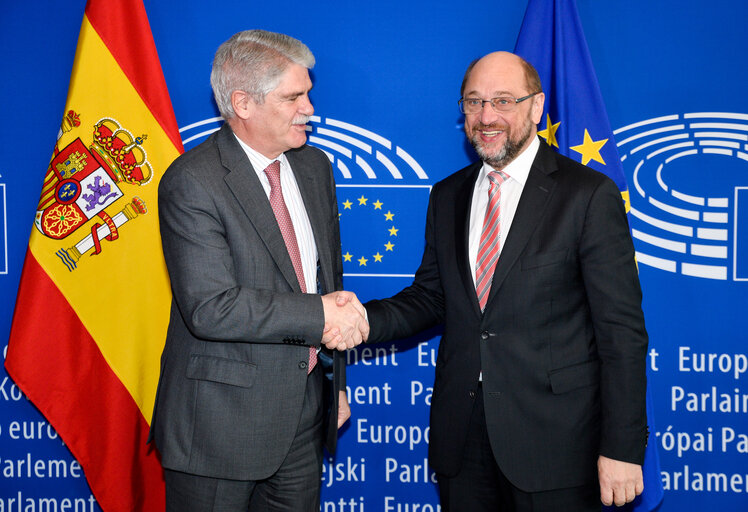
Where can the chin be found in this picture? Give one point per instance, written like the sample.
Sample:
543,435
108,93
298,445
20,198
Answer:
490,154
297,142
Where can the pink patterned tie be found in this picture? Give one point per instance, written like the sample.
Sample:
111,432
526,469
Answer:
289,235
488,250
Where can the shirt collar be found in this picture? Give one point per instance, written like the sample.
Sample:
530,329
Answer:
258,160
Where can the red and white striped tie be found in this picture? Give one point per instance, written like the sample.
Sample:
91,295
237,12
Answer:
488,250
289,235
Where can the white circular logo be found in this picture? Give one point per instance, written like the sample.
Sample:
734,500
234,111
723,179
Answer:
689,196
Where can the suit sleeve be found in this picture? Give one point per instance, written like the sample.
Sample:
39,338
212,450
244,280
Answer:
213,304
614,294
417,307
337,261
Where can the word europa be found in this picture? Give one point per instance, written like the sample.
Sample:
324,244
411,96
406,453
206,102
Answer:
411,435
18,503
30,430
737,364
391,504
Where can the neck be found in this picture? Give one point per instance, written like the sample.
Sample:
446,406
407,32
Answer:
245,135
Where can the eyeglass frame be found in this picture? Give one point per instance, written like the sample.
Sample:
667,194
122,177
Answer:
483,102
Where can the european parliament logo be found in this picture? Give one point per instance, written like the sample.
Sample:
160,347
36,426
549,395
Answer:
689,196
382,195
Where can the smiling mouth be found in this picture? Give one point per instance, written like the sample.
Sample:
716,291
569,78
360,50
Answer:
492,133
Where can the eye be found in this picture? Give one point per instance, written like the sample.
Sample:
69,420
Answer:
503,101
473,102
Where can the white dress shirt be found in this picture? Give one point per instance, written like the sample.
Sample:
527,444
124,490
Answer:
511,190
296,209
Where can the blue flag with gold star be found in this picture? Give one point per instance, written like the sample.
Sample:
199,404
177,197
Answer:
576,124
574,119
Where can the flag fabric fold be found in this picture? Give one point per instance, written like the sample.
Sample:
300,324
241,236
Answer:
93,302
576,124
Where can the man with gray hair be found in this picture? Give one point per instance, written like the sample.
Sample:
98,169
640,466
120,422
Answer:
249,224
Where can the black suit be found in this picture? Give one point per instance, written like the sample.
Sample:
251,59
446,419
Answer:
561,343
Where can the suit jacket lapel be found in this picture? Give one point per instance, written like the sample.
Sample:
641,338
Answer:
532,203
463,202
248,191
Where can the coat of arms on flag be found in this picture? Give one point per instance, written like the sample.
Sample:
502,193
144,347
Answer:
83,181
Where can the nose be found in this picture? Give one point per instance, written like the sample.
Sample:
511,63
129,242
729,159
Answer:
305,106
487,114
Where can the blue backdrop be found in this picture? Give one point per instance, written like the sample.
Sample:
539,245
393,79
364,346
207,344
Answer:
387,79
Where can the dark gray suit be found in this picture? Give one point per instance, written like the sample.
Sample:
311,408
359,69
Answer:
234,368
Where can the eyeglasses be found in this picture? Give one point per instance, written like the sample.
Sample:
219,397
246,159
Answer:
499,103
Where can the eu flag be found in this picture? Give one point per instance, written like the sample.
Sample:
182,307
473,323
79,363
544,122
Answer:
575,123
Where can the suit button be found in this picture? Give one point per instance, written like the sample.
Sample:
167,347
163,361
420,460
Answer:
303,365
484,335
472,394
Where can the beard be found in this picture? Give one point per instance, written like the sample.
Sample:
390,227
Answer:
498,159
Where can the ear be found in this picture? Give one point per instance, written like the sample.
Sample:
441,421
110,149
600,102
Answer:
243,104
537,107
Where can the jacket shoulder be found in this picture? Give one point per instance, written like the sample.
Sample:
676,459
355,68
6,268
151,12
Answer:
567,171
197,161
459,178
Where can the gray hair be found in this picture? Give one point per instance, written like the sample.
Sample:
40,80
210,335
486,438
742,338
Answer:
253,61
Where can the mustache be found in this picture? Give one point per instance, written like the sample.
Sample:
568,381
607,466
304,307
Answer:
490,127
301,120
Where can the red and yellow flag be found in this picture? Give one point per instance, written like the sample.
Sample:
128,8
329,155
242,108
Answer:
93,304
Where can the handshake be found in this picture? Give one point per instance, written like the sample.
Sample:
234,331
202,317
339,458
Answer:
345,321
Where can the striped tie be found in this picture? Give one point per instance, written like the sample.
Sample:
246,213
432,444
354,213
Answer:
488,250
289,235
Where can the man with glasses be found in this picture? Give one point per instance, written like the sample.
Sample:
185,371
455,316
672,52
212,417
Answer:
539,395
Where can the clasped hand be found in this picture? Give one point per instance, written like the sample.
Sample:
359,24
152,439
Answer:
345,321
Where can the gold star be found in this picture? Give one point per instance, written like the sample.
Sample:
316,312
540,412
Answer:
590,149
393,231
549,134
347,256
362,261
377,257
389,215
389,246
378,205
347,205
626,200
362,200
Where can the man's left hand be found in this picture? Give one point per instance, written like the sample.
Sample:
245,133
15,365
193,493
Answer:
344,409
620,482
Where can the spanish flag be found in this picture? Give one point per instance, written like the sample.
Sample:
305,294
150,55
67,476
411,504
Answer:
93,304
